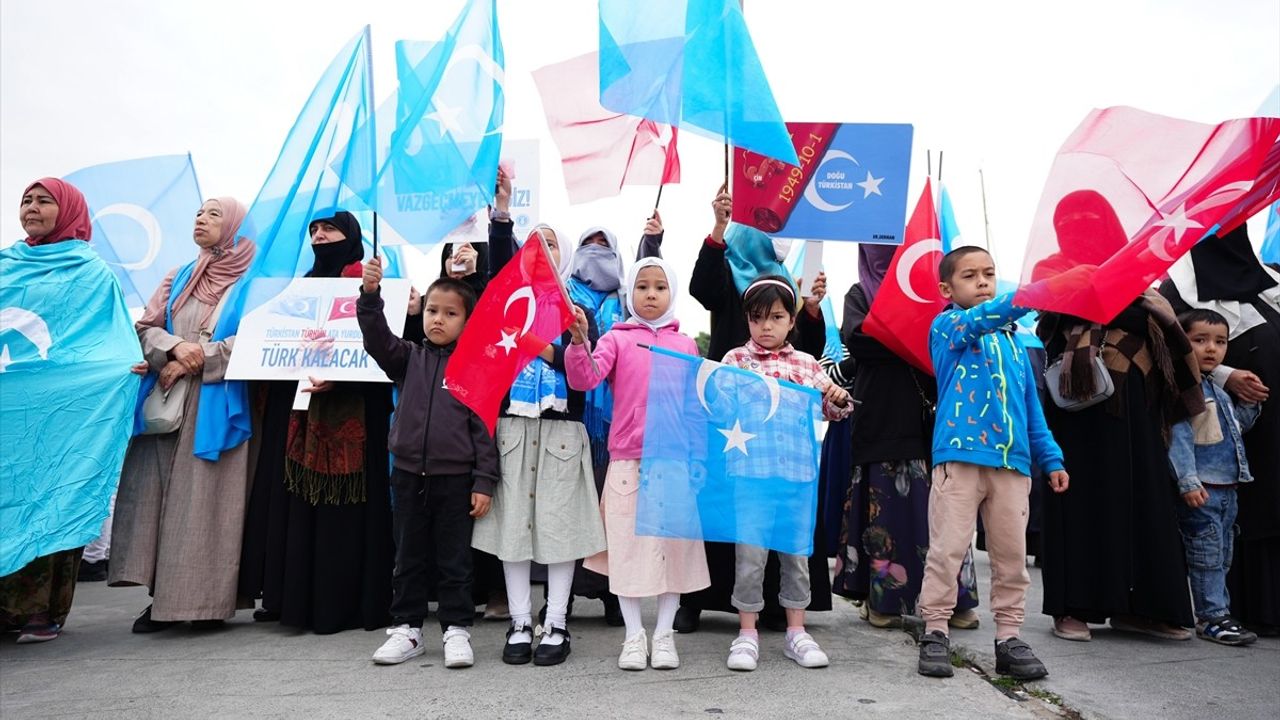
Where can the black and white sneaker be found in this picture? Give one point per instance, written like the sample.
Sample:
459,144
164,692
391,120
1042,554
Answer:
935,655
1014,658
1225,630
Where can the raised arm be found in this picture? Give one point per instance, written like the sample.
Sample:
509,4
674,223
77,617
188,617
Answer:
390,352
651,241
961,328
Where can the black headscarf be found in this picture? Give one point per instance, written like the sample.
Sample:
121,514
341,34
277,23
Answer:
1227,268
331,258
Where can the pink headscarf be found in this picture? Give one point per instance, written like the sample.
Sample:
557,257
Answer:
217,268
73,213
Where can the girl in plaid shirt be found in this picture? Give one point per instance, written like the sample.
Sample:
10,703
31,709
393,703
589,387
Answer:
770,303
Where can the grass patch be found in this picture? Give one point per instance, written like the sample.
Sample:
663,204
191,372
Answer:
1042,694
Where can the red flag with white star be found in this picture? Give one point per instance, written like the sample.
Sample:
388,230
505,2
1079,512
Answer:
1129,193
908,299
523,309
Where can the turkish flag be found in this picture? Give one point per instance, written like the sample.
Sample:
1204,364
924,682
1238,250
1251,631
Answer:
908,299
523,309
343,307
601,150
1129,193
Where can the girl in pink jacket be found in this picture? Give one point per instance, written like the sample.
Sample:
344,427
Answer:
637,566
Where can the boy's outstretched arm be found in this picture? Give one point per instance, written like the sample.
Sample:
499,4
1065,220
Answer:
960,328
390,352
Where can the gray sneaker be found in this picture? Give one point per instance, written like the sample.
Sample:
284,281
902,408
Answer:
935,655
1014,658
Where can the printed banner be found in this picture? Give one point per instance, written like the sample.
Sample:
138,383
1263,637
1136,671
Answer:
310,329
850,185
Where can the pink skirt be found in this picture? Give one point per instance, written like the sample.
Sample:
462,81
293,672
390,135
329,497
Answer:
638,565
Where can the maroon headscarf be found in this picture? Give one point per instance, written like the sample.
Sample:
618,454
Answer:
873,263
73,213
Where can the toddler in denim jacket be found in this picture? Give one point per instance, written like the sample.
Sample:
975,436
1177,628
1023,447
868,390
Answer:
1207,455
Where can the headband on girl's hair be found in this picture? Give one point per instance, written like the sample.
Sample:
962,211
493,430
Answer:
770,281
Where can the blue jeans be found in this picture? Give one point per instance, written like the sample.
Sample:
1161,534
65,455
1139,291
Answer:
1208,533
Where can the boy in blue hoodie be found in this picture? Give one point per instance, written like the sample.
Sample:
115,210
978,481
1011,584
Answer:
988,429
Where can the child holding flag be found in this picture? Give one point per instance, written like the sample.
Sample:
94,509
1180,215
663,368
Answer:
770,305
637,566
445,469
989,428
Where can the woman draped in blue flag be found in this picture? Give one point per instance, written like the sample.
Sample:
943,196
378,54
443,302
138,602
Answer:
67,395
181,505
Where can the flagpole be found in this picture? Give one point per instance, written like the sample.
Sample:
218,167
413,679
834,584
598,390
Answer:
939,168
986,223
726,167
373,131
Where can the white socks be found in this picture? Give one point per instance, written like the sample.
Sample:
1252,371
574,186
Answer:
630,607
668,603
559,586
518,600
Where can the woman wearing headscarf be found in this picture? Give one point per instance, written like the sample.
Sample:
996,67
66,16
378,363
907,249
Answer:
179,517
317,537
56,498
1111,546
731,257
1225,275
885,529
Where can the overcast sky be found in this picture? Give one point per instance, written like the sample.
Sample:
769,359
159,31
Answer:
996,85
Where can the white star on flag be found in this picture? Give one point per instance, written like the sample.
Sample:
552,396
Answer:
447,118
1179,222
735,438
870,186
508,341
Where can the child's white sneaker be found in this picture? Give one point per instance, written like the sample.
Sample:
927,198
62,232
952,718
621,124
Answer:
805,651
743,653
457,648
405,643
664,655
635,652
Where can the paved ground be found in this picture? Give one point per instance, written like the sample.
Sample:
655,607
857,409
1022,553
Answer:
99,669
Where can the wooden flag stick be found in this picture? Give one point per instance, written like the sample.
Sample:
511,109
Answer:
659,200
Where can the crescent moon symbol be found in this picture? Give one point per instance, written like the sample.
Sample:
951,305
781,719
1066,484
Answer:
29,325
525,293
146,221
708,367
908,260
811,193
488,66
413,145
1157,244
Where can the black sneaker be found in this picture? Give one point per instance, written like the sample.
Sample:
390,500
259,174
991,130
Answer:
92,571
1225,630
935,655
521,652
687,620
1014,658
553,654
264,615
144,623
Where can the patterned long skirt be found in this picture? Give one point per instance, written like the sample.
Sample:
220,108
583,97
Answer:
46,586
885,536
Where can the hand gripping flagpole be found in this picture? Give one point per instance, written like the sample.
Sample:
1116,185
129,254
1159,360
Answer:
564,292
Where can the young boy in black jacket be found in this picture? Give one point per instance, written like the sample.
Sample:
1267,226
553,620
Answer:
444,472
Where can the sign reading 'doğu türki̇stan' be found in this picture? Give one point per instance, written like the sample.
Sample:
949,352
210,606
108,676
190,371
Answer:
310,330
850,185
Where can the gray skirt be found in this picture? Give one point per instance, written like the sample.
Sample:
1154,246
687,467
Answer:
546,508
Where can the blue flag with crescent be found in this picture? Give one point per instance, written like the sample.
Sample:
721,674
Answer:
66,397
729,455
690,64
1271,238
439,161
142,215
330,144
